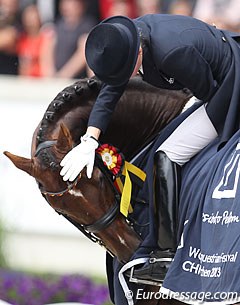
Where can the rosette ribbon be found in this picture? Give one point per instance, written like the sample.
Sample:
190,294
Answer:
124,172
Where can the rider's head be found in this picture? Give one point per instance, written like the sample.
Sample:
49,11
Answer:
112,50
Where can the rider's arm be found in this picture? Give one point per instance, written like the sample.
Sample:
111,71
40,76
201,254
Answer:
103,108
84,153
94,132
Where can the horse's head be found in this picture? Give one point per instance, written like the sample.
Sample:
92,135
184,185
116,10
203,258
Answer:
44,165
91,204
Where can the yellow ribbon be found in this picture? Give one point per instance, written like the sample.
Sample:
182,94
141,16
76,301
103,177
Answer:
126,188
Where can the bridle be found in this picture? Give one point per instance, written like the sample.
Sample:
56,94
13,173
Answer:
100,224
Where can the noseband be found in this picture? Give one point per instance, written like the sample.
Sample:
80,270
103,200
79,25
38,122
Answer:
105,220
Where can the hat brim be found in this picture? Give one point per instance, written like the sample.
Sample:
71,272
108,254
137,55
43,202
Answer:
125,73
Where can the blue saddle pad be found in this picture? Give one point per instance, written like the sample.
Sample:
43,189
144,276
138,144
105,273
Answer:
206,266
207,262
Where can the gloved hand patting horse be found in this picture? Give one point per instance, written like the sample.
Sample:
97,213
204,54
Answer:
80,156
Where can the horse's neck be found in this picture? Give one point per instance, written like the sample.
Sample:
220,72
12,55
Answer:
141,113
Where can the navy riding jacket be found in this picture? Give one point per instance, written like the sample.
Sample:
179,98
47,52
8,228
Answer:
184,52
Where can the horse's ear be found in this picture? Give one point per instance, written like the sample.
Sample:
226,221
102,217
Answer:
64,142
22,163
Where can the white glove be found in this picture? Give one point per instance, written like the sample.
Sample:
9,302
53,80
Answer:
80,156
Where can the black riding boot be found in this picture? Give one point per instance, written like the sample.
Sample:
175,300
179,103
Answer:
166,212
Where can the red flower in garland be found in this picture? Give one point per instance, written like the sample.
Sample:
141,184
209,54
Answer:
112,158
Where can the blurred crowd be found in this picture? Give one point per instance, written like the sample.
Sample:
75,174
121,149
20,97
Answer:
47,38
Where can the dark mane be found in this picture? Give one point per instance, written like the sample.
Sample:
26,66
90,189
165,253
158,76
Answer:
82,93
141,113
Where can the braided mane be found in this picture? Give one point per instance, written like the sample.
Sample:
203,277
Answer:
82,93
141,113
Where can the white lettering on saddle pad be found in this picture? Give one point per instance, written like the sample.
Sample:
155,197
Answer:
231,172
226,218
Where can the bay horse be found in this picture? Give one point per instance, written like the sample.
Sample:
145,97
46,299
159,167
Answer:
93,204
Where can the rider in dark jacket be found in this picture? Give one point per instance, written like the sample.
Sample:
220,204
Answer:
173,52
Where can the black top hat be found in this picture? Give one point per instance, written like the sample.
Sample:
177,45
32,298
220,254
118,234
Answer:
112,50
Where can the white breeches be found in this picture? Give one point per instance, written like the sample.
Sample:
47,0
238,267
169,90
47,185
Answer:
191,136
